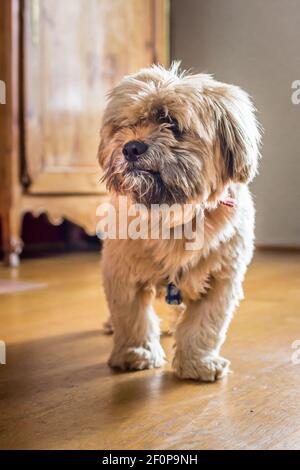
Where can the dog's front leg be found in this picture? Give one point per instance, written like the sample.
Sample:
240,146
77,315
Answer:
136,327
202,331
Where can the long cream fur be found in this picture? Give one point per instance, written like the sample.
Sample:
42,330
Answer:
216,155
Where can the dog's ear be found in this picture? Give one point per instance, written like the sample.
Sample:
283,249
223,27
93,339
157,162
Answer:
238,132
101,154
103,149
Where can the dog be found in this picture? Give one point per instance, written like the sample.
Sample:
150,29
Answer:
172,137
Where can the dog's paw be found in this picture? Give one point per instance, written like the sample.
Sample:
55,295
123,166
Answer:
205,368
138,358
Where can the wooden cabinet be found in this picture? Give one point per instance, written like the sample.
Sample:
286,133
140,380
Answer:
58,60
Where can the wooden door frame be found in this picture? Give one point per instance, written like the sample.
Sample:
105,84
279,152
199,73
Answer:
161,31
10,128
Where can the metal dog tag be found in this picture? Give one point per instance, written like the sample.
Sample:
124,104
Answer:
173,295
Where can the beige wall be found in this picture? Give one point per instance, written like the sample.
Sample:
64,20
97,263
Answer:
255,44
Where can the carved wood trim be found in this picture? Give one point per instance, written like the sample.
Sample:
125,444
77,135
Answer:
80,210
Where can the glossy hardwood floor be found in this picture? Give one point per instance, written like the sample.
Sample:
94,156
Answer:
56,391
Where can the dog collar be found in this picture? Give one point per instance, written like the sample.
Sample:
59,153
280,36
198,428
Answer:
173,296
228,201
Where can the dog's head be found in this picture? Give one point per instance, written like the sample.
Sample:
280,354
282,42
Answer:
170,137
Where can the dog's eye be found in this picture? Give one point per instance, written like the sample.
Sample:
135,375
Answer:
173,124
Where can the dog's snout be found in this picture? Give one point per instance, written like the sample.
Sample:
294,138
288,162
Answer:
133,149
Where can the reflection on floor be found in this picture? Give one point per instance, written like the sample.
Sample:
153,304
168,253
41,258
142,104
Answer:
9,286
56,390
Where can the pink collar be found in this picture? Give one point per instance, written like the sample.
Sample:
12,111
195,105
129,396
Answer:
228,201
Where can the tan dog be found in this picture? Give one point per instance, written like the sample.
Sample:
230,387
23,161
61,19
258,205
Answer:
169,137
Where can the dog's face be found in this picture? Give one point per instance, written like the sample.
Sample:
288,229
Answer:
171,138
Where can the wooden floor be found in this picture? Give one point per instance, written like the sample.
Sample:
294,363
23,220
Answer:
56,391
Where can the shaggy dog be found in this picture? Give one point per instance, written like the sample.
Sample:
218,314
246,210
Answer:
170,137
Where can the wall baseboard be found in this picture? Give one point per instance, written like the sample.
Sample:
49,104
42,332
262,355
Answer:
283,248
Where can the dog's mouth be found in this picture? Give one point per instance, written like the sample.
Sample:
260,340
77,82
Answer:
146,184
143,171
145,181
136,170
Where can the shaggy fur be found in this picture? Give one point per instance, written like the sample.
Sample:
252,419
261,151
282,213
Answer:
203,142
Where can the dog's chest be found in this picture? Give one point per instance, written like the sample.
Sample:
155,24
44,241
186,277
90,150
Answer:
190,270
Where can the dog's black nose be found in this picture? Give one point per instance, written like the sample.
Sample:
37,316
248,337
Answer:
133,149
